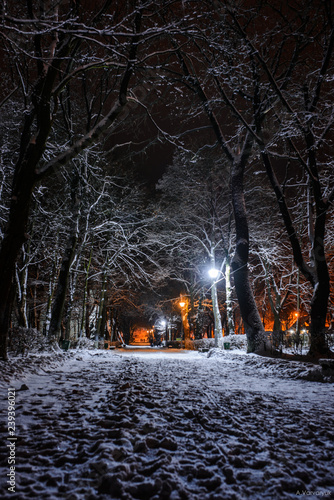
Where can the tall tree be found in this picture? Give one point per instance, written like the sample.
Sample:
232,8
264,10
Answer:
197,61
198,208
267,86
293,122
47,48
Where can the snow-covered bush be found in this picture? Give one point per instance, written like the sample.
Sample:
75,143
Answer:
85,343
330,339
236,341
27,340
203,344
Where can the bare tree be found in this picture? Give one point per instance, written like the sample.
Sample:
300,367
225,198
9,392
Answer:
48,48
196,201
266,91
196,61
294,115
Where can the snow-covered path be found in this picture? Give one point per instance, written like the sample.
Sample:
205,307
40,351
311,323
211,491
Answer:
172,425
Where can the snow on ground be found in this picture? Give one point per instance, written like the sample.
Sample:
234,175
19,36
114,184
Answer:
167,424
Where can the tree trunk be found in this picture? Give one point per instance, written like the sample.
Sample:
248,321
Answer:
102,309
48,305
318,317
69,254
68,308
103,319
35,313
217,317
277,322
11,246
319,302
317,274
21,285
228,292
199,318
215,307
89,310
114,324
250,315
84,307
61,290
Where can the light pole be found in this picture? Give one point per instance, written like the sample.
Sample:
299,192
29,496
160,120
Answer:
214,273
297,316
185,332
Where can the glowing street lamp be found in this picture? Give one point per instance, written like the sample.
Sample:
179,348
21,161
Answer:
213,273
182,304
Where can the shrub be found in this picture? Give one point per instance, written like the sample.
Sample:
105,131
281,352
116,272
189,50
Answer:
204,344
25,340
189,344
236,341
176,344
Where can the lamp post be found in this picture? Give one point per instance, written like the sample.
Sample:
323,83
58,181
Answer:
185,331
214,273
297,316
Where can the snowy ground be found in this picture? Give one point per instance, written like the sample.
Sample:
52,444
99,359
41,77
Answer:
167,425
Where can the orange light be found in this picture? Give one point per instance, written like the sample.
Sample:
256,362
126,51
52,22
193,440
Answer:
182,304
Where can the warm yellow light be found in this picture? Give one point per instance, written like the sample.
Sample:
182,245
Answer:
296,314
182,304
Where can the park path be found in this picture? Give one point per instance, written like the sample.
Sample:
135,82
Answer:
170,425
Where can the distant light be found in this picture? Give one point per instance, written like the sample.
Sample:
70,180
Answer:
297,314
213,272
182,304
163,322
